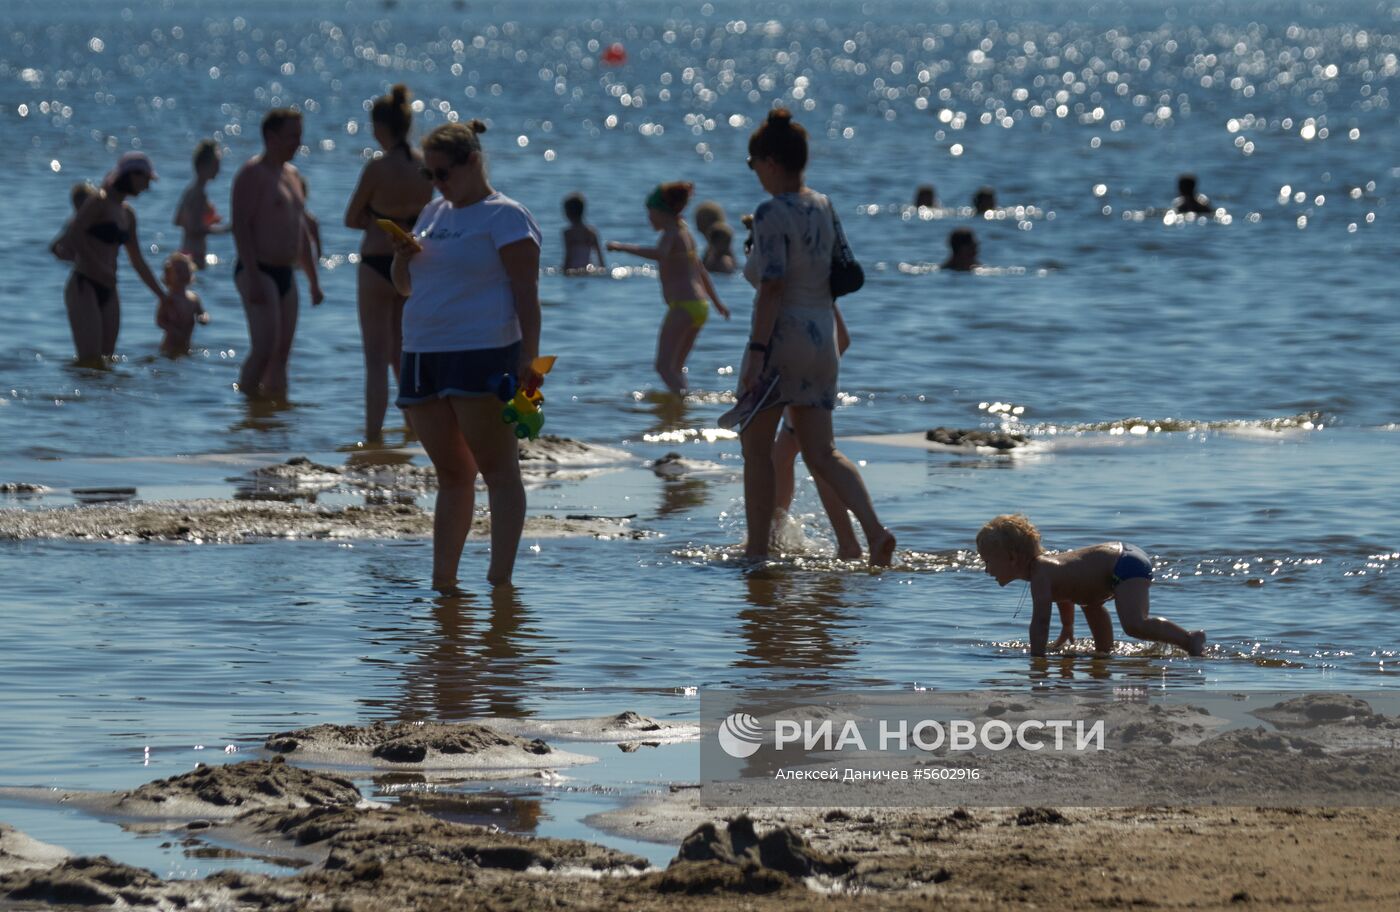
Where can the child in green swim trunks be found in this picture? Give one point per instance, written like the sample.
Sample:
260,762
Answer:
1010,548
685,284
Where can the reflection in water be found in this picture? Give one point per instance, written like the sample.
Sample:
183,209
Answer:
477,662
795,626
669,410
682,494
262,415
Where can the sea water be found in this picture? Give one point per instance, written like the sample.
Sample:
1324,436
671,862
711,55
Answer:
1219,391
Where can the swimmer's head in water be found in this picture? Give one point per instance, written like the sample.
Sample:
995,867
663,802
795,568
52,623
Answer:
960,239
573,207
1186,185
781,140
926,197
721,237
984,200
80,193
707,215
179,270
670,198
394,114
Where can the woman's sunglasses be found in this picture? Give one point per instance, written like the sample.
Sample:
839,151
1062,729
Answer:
441,175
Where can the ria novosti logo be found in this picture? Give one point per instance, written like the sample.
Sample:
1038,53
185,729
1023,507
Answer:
740,735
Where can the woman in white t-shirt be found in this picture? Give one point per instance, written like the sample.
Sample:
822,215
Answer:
472,318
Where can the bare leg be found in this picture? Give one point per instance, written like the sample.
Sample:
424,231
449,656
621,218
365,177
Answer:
785,451
274,380
757,442
829,465
1131,600
497,455
1100,626
456,497
692,332
85,320
111,324
668,344
380,309
262,329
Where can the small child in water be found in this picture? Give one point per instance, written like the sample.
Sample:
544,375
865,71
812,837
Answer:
685,285
185,309
1089,577
719,255
580,239
195,216
78,195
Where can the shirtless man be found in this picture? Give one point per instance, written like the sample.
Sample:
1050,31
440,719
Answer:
272,238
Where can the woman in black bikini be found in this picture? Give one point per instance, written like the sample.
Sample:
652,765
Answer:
98,230
392,186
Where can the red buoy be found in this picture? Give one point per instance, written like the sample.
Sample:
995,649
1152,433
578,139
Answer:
614,55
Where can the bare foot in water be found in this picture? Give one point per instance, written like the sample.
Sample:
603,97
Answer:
882,549
447,587
1196,642
849,550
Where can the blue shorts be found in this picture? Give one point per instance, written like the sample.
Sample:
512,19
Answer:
1134,564
425,376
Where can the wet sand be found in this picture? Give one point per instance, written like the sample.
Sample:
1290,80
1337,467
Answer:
350,853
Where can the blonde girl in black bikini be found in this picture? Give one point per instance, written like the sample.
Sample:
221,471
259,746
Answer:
392,187
685,285
104,225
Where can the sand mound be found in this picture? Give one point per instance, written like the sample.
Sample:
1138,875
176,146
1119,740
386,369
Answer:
19,852
233,521
22,489
226,791
461,746
975,437
737,859
674,465
625,727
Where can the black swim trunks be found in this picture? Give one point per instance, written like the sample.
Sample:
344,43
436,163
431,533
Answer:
425,376
103,293
281,276
380,263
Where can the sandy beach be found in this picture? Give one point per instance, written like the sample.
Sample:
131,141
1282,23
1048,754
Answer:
341,851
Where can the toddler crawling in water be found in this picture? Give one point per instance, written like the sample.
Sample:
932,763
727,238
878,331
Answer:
1010,547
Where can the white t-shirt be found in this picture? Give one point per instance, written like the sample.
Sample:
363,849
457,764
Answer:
461,298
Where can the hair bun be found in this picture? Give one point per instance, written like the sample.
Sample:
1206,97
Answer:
780,117
476,126
400,94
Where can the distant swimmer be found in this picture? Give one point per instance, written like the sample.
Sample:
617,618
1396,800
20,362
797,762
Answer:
685,283
1010,547
926,197
103,225
962,251
719,255
581,242
984,200
184,310
707,215
195,216
392,187
272,237
1188,200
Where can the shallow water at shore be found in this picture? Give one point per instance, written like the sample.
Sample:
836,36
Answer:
1221,394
